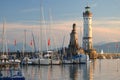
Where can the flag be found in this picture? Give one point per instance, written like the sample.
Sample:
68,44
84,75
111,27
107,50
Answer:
15,42
49,42
31,43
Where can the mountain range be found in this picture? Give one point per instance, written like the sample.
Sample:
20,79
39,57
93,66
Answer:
111,47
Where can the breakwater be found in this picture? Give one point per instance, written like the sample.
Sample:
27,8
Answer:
99,56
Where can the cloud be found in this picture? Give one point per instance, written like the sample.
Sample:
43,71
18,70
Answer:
103,30
106,30
105,35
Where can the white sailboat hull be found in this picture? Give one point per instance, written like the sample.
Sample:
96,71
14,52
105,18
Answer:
35,61
26,60
44,61
55,62
40,61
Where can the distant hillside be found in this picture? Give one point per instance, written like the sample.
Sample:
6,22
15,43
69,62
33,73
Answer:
112,47
19,46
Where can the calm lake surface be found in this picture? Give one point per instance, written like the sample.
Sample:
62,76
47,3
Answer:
106,69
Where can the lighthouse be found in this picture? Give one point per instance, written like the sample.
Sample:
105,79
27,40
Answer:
87,34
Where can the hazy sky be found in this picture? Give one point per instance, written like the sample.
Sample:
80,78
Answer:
26,14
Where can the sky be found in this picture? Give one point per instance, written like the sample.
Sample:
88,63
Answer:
58,17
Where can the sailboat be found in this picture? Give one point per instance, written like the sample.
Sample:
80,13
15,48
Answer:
55,58
25,59
4,55
8,70
101,51
102,56
44,60
41,59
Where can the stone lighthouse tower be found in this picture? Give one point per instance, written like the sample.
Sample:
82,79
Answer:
73,45
87,35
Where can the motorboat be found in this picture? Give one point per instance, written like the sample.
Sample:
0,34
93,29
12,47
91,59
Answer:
77,59
80,58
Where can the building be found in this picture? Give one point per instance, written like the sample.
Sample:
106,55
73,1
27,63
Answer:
73,44
87,35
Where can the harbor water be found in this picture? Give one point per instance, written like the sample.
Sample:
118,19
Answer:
101,69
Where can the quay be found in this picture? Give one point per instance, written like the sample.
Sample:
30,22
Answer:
5,63
108,56
19,55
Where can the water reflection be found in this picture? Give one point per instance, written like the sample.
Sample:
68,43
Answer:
82,71
59,72
95,70
73,72
92,67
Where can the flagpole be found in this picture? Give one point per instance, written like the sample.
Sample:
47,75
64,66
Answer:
15,44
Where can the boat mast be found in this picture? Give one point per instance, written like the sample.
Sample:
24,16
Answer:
24,43
43,26
25,39
40,24
50,32
4,40
43,23
34,42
